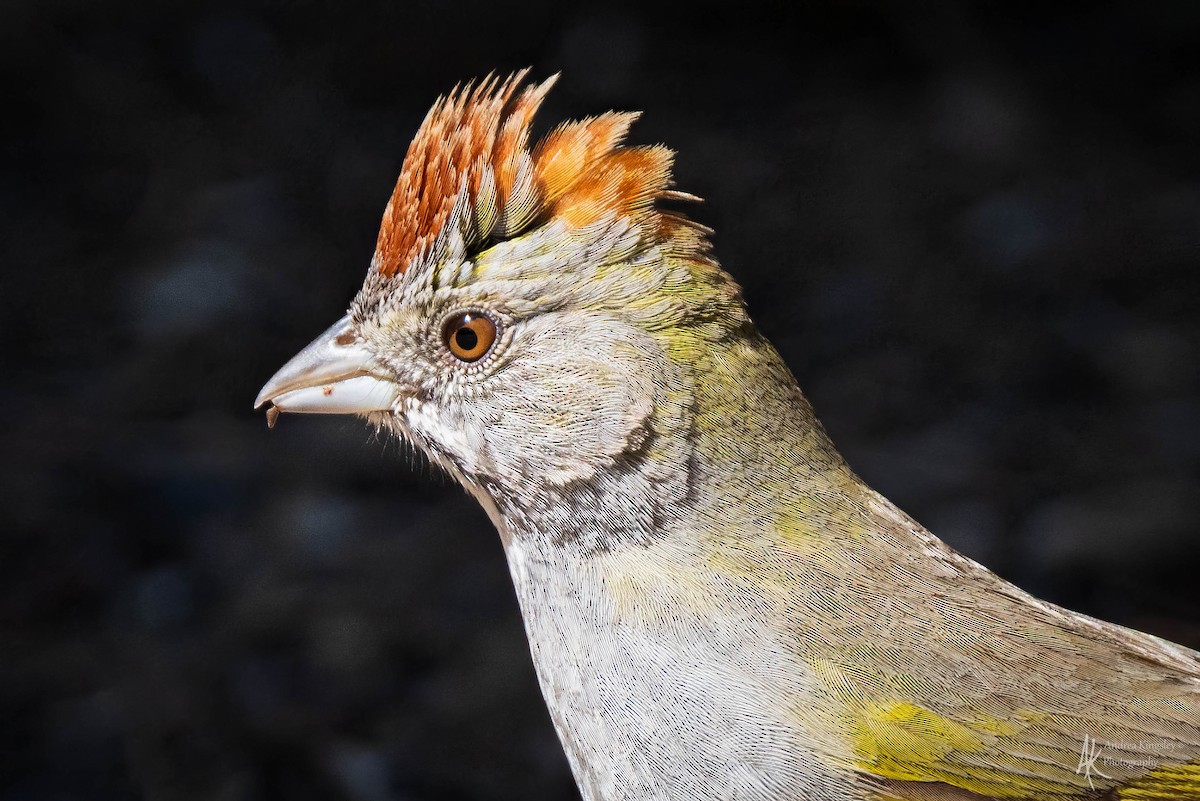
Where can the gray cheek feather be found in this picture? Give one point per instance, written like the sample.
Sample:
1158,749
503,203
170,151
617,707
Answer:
562,407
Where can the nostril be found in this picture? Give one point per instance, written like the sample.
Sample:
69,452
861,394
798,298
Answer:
345,338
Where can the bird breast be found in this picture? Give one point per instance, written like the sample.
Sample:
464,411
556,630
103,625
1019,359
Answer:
658,692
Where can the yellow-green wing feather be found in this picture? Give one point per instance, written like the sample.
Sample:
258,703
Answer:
953,680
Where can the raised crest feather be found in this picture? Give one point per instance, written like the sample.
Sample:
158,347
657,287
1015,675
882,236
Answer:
476,141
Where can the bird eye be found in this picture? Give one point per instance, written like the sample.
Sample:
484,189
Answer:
469,335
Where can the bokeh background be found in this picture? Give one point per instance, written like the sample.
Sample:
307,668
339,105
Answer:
972,230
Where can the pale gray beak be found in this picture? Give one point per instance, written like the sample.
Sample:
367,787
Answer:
335,374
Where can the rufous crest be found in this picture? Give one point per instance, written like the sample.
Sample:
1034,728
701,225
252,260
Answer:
476,141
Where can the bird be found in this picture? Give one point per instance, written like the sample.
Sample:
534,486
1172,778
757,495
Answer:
717,606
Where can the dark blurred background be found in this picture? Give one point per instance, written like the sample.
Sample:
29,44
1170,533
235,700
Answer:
972,229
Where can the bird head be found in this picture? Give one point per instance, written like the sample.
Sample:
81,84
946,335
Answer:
532,316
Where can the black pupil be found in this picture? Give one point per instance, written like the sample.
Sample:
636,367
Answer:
466,338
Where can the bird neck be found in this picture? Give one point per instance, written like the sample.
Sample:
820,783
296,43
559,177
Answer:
738,445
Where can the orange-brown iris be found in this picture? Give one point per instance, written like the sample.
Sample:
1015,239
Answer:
469,335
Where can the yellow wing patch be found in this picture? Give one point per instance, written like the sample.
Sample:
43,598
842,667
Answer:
1168,783
903,741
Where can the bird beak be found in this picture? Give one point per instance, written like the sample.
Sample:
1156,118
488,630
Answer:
333,375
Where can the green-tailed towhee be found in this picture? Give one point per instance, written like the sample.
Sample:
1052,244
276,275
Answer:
717,606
